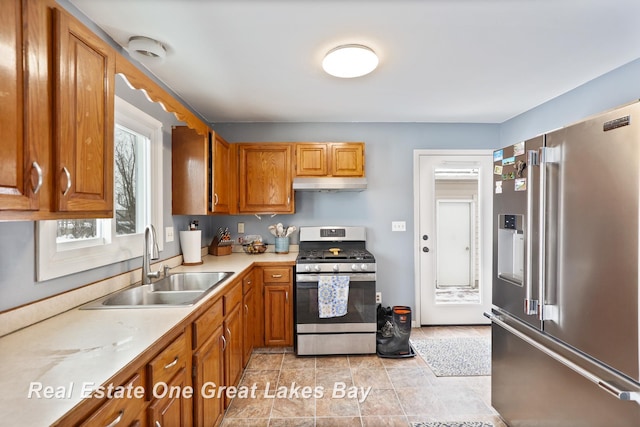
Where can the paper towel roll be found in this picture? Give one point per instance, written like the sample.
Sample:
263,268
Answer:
190,243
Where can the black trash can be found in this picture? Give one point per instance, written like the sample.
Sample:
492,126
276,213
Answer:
394,331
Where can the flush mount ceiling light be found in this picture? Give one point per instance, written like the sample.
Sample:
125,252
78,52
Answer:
350,60
146,48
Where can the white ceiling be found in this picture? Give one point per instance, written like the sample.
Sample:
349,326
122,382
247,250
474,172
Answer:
481,61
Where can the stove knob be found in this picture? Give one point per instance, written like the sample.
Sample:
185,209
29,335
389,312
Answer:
354,267
336,268
364,267
307,268
316,267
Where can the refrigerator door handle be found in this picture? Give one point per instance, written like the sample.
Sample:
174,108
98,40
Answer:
530,304
606,386
542,226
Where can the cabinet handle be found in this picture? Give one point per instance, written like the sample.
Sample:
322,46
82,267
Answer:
224,342
66,172
158,424
288,200
172,364
246,309
286,296
276,276
229,332
38,169
215,199
117,420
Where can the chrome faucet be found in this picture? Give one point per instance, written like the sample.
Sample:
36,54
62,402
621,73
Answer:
149,234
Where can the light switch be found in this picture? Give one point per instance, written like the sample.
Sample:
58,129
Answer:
241,227
398,226
168,234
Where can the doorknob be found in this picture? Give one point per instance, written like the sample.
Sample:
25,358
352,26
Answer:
425,249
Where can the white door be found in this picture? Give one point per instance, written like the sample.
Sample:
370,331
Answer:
443,177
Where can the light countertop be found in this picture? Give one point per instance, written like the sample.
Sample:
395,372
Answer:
79,349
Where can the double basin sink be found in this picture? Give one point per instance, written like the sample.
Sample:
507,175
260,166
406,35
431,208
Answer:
175,290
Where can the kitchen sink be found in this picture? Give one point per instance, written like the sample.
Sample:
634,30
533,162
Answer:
176,290
179,282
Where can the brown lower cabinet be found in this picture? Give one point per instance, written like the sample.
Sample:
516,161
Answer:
208,350
208,366
278,306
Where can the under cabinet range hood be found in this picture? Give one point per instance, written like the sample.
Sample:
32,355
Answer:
329,184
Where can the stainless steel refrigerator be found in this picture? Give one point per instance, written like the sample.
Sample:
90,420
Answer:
565,318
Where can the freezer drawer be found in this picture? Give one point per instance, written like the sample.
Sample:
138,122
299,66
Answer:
530,388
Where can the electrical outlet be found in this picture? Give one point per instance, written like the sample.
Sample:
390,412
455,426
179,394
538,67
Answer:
398,226
241,227
378,297
168,234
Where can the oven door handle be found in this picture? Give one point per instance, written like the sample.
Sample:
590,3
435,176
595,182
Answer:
357,277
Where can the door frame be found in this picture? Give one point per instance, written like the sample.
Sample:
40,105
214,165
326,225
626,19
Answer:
416,220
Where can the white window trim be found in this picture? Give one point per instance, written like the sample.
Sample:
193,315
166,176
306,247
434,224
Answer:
52,263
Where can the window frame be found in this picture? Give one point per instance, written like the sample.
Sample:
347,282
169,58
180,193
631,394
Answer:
56,260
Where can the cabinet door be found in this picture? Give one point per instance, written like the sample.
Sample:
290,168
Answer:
248,325
266,182
311,159
347,159
233,351
221,165
84,118
208,364
17,158
278,327
189,172
172,409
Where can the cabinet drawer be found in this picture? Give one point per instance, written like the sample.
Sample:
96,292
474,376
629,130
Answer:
204,325
247,282
169,362
232,298
276,274
124,410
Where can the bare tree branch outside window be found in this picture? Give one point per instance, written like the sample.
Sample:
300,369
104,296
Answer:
125,181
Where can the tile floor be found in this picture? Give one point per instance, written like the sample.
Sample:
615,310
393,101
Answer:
402,390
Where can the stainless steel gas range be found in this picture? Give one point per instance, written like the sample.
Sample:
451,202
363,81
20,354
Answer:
335,292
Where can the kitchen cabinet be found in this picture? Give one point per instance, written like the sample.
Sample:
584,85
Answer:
222,197
278,306
172,409
337,159
57,115
84,69
250,324
19,157
170,367
200,173
120,410
208,365
233,337
265,178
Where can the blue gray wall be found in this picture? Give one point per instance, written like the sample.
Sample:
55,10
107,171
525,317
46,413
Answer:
389,196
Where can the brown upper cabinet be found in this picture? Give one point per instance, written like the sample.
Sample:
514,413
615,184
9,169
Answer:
265,178
20,166
339,159
84,118
57,116
200,173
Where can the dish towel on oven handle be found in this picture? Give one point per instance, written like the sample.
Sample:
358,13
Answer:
333,296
